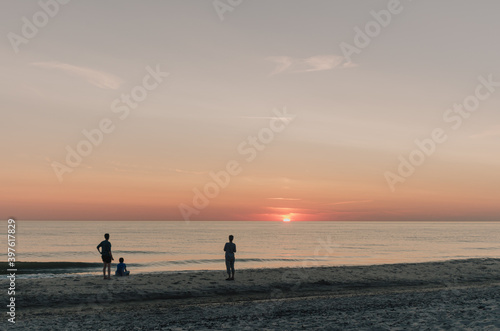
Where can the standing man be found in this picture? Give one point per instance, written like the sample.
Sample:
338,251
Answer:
230,249
106,255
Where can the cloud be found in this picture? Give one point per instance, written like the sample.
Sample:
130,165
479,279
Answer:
287,64
188,171
488,133
141,168
323,62
282,63
287,199
98,78
288,118
349,202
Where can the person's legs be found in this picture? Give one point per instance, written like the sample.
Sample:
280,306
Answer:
232,268
104,270
109,270
228,268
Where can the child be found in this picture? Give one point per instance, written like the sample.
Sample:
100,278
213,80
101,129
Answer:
121,269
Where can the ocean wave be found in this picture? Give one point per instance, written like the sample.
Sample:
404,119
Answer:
117,252
239,260
79,267
51,267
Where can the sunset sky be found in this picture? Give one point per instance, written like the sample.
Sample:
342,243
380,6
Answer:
262,89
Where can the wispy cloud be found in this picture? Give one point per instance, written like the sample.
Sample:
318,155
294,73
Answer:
188,171
349,202
282,63
287,64
127,167
98,78
287,118
287,199
495,131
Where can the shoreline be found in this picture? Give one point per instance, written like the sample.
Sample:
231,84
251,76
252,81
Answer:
45,269
44,300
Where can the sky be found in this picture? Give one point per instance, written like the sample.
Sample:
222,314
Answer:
250,110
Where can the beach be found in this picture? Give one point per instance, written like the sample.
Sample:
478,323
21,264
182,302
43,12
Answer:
457,294
340,155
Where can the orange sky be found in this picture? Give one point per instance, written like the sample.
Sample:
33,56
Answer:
308,131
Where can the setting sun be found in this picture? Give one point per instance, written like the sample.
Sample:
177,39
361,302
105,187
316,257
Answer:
286,220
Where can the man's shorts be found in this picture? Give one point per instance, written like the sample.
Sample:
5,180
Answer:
106,258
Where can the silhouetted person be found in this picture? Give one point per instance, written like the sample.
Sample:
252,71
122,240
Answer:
121,269
230,249
106,255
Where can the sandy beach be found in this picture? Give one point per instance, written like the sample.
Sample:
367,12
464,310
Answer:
461,294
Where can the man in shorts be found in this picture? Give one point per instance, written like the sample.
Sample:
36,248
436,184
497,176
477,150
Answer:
106,255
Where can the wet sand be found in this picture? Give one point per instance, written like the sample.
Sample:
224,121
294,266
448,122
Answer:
462,294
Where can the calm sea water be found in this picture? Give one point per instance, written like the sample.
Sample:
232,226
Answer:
181,246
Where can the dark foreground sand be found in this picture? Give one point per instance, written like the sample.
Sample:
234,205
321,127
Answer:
453,295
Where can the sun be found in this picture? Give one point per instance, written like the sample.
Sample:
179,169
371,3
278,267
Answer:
286,220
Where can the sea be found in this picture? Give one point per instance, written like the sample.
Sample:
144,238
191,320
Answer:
68,248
